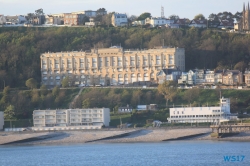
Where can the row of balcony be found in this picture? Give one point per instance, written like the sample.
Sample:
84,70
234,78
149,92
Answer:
107,67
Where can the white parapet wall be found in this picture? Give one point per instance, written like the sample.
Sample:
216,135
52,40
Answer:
1,120
66,128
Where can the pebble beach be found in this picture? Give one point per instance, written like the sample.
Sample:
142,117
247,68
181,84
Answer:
132,136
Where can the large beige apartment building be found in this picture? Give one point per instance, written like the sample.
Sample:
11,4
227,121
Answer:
109,66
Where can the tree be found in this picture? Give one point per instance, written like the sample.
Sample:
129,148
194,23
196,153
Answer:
9,112
55,91
241,66
43,90
65,82
6,96
39,12
168,89
213,17
132,18
98,18
174,17
106,19
199,16
143,16
31,83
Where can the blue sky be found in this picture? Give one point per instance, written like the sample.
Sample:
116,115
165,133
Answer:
183,8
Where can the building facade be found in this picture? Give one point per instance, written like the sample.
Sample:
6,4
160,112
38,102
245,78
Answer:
197,77
232,77
247,77
2,20
168,75
244,23
73,19
71,117
119,20
109,66
201,114
198,23
127,109
13,20
56,20
158,21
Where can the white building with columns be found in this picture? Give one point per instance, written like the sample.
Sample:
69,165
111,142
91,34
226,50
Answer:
201,114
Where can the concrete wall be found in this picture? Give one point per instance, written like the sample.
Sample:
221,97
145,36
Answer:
1,120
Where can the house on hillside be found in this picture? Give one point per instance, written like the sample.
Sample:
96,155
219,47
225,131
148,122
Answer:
232,77
247,77
209,77
225,24
2,19
158,21
126,109
14,20
119,20
180,23
151,107
168,75
198,23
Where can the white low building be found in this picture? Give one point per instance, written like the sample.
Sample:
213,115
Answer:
71,117
1,120
119,20
2,19
201,114
158,21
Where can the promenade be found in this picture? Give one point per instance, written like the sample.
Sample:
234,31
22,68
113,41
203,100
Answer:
114,136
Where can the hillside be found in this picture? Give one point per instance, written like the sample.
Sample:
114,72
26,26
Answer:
20,104
20,48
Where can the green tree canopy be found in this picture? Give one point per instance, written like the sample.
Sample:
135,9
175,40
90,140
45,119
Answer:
168,89
174,17
55,91
31,83
199,16
241,66
65,82
143,16
9,112
43,90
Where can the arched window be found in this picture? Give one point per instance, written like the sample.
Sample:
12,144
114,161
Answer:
146,77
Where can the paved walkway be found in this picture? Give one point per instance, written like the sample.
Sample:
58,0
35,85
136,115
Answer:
75,98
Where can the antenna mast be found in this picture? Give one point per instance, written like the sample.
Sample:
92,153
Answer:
162,12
